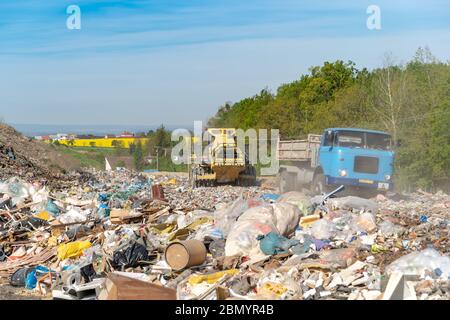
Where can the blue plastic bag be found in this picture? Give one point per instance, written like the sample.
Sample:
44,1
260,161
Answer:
273,243
31,280
52,208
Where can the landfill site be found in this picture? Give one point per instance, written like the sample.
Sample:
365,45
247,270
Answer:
120,234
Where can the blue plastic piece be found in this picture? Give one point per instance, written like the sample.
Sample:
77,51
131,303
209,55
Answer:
273,243
31,280
270,196
103,210
52,208
103,197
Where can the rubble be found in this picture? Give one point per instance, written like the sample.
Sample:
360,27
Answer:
127,235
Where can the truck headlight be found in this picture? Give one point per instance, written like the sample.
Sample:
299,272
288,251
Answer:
342,173
387,177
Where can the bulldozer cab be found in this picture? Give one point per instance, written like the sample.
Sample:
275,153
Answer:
226,162
227,154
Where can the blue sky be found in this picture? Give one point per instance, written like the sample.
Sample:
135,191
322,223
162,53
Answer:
173,61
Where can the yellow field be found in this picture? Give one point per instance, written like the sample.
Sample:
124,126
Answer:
103,142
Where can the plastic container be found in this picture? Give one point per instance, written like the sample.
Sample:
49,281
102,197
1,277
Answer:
185,254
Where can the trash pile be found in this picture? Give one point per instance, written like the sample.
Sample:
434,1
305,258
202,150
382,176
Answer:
126,235
32,160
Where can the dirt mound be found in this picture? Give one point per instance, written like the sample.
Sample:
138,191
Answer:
30,159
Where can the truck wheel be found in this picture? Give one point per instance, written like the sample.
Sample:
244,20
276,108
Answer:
287,182
318,186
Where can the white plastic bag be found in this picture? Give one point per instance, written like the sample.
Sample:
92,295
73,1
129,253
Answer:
242,238
227,215
323,229
417,262
302,201
388,229
354,203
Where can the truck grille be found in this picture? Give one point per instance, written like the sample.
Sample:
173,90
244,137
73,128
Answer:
366,164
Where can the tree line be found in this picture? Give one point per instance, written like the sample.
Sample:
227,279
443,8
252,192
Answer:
409,100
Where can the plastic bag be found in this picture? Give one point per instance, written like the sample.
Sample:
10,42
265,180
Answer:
17,189
323,229
52,208
366,222
72,216
72,249
302,201
419,261
280,218
130,256
211,278
342,257
352,202
32,277
19,277
263,214
225,217
207,231
242,239
103,211
284,217
388,229
273,243
217,248
277,285
287,217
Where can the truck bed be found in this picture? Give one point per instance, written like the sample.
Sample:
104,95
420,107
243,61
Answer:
299,150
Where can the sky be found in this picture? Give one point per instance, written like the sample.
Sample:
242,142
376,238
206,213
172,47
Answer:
148,62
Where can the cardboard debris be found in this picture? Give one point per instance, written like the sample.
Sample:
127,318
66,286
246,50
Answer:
118,287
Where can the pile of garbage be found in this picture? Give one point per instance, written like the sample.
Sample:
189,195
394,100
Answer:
28,159
126,235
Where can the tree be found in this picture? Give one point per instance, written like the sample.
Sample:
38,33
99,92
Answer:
132,147
117,144
138,156
390,96
162,137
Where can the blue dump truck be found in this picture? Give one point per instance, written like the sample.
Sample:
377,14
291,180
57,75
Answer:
359,159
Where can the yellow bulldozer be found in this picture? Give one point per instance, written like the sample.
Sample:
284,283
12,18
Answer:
224,163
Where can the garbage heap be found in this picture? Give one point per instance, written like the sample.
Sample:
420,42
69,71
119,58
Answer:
124,235
32,160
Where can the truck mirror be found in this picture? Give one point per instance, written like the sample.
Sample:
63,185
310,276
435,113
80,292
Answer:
398,143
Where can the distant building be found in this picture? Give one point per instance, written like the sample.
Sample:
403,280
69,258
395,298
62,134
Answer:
125,134
62,136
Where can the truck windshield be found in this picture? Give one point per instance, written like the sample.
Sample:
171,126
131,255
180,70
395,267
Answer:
366,140
378,141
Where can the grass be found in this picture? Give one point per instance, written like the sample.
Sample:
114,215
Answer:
166,164
87,157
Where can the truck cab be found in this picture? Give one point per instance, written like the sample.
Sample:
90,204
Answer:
356,158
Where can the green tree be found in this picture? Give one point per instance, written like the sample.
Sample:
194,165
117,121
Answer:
138,156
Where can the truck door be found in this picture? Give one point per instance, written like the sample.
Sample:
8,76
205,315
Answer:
326,151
